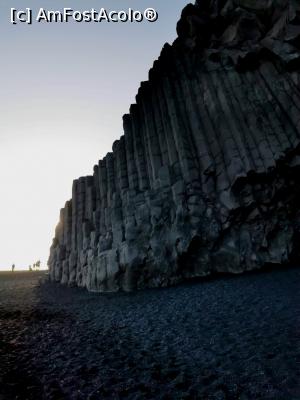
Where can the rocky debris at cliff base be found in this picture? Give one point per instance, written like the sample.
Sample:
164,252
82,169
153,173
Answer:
230,339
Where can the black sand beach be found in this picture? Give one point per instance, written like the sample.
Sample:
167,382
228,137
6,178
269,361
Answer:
229,338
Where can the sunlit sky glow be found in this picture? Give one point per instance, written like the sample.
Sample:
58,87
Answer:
64,89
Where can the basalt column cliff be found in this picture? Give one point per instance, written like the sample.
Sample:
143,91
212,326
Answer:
206,178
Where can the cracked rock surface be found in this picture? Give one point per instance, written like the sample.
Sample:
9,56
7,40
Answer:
206,176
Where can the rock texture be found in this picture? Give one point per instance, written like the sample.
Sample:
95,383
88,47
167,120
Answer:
206,176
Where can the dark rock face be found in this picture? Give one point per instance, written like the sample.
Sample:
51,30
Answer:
206,176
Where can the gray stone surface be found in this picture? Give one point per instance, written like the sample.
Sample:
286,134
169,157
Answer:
206,176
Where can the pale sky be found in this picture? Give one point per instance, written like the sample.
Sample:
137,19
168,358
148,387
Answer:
63,91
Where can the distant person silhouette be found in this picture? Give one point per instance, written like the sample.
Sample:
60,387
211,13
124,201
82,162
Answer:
13,267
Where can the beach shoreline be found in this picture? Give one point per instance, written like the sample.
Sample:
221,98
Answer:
228,338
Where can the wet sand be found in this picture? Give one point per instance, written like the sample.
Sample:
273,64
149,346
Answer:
230,338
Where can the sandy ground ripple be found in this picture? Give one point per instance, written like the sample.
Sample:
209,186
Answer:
231,338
